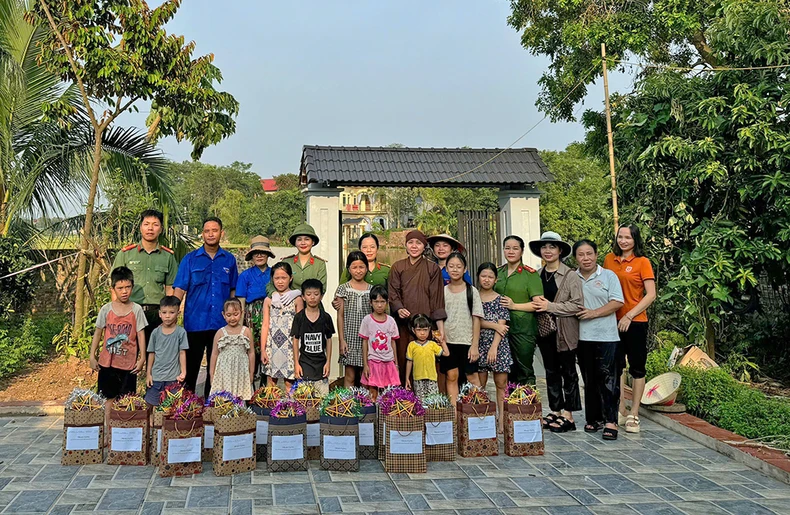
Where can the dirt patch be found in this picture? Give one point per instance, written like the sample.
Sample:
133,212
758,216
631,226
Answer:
51,381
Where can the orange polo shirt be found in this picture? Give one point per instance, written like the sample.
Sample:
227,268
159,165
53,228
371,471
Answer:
633,272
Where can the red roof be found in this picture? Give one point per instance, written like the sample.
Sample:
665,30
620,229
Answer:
269,185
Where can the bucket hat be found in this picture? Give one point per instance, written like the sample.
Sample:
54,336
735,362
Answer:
457,245
259,244
303,230
550,237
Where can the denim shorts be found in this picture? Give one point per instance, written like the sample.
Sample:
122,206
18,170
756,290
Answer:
153,393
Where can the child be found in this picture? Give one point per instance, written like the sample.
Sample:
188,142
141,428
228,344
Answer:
277,351
167,351
421,357
462,326
377,331
494,346
355,305
312,338
120,326
233,356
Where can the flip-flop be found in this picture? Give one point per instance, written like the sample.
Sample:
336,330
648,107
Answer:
593,427
609,433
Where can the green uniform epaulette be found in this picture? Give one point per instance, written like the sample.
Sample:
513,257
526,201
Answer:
288,257
129,247
319,258
166,249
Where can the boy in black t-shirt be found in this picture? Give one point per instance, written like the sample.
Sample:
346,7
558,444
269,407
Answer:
312,332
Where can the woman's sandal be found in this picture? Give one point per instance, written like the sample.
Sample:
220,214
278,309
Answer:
632,424
593,428
549,419
609,433
564,426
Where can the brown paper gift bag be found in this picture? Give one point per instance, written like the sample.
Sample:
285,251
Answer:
340,444
261,431
523,429
234,445
313,428
129,434
477,430
440,435
405,445
286,450
381,434
83,437
155,446
368,436
182,443
208,434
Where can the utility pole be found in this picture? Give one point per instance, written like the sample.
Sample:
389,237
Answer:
609,137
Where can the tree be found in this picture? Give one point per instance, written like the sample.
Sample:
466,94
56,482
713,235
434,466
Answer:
118,53
704,166
274,215
576,204
287,181
441,206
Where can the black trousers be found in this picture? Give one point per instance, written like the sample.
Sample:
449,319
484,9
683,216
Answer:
598,363
562,381
199,341
152,317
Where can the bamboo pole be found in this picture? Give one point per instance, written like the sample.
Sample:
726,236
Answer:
609,137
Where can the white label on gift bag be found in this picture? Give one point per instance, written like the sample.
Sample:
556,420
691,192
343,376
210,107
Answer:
287,447
126,439
261,432
405,442
82,438
183,450
237,447
440,433
313,435
339,448
527,431
482,428
366,437
158,440
208,436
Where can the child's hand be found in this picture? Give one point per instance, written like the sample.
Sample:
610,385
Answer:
264,357
337,302
502,329
94,364
474,354
297,371
181,377
149,381
140,366
491,358
366,372
343,347
326,370
408,383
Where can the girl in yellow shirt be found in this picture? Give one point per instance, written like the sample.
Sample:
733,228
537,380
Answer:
421,357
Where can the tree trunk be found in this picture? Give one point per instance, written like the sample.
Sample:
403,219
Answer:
710,339
80,306
5,216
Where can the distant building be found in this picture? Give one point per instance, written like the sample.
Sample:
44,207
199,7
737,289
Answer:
360,213
269,186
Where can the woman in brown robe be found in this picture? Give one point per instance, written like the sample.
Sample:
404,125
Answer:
415,286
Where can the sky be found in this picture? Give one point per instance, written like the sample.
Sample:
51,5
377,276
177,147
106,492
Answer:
439,73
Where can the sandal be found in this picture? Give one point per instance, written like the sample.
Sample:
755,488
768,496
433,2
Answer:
621,419
549,419
564,426
593,427
609,433
632,424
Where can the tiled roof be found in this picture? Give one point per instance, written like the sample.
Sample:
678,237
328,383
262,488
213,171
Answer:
347,166
269,185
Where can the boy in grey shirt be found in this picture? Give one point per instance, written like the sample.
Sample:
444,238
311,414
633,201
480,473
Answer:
167,357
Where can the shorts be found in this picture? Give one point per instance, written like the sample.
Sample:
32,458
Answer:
153,394
113,382
424,387
322,385
458,358
633,345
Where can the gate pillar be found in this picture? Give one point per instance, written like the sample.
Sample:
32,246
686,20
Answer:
520,215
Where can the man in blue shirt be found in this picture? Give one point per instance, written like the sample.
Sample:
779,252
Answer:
208,277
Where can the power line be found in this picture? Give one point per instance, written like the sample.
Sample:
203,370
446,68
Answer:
712,69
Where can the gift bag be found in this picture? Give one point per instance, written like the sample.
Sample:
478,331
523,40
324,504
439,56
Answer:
368,450
286,450
129,435
261,431
340,443
405,446
182,443
381,432
83,437
440,435
523,429
313,429
477,430
234,445
155,445
207,453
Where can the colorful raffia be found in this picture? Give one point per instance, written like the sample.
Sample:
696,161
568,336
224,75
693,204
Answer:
362,395
341,402
171,398
222,402
402,403
521,394
287,408
471,394
129,402
81,399
436,401
306,393
237,411
267,396
190,409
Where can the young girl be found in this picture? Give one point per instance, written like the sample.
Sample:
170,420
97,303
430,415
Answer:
233,358
278,315
355,306
494,346
421,357
462,327
378,332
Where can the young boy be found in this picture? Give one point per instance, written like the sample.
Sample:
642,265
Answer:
312,332
167,351
120,327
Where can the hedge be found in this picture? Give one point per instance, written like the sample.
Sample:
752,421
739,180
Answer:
24,340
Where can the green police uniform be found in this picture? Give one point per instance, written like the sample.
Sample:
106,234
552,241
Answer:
314,268
521,286
378,276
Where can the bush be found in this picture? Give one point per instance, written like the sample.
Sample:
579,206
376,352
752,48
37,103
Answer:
752,415
705,391
658,359
17,291
23,341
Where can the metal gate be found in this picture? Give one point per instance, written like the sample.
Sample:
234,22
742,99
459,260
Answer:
479,232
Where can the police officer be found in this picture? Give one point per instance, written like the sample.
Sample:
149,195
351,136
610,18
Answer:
154,267
304,263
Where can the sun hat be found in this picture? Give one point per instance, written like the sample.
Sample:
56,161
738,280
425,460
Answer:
662,390
259,244
457,245
303,230
550,237
416,235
